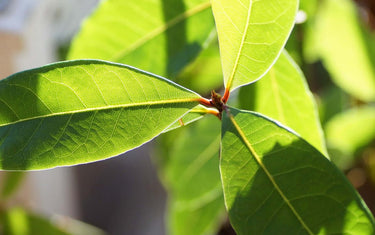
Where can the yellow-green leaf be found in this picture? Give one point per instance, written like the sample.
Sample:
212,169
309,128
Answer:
251,36
82,111
283,94
345,49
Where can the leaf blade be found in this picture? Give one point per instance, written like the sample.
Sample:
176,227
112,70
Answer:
346,48
346,135
58,108
246,54
194,114
169,34
279,189
192,156
344,130
283,94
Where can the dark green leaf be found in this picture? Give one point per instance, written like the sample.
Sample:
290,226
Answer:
276,183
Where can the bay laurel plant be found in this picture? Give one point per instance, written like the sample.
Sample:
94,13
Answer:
268,168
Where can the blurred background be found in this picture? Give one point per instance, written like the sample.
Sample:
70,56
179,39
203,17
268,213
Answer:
123,195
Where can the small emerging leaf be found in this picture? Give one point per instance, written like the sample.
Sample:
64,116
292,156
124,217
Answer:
251,36
276,183
82,111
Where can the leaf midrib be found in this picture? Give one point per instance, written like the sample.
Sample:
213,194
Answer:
107,107
236,63
159,30
270,177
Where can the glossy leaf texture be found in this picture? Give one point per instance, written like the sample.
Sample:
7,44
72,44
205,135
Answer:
283,94
160,36
190,169
82,111
251,36
346,48
350,131
276,183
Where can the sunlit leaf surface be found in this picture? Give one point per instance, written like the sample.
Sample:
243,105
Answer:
251,36
283,94
82,111
160,36
276,183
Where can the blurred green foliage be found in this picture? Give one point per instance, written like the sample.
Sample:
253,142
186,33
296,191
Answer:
333,45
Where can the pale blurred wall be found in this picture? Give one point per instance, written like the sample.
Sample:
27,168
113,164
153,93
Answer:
30,31
121,195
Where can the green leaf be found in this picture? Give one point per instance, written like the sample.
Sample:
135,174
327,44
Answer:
251,36
342,45
276,183
350,131
309,7
76,227
160,36
194,115
82,111
191,174
205,73
10,184
283,95
332,100
18,222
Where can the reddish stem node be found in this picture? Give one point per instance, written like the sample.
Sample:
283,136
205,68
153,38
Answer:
226,96
215,112
205,102
181,122
217,102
